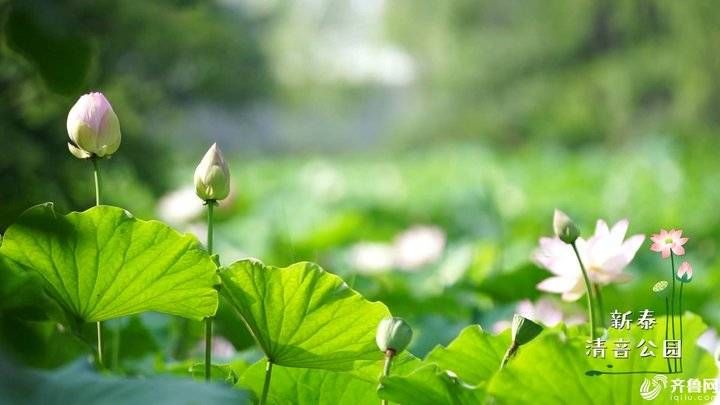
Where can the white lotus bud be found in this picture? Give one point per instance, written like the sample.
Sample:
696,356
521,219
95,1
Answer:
564,227
93,127
393,334
212,176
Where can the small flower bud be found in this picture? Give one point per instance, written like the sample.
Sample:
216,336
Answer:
212,176
685,272
93,127
393,334
564,227
524,330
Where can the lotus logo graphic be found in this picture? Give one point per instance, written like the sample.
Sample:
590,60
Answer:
650,389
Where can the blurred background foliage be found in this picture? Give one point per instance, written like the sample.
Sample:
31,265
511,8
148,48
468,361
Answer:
417,148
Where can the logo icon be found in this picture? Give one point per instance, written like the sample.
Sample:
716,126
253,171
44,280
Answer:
650,389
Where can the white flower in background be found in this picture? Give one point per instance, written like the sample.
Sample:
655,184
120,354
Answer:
180,206
411,249
371,257
544,311
710,341
605,256
418,246
222,349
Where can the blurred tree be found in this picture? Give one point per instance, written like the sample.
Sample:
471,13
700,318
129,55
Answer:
150,58
562,70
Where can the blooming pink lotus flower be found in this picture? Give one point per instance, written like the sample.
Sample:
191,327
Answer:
93,127
685,272
665,242
605,256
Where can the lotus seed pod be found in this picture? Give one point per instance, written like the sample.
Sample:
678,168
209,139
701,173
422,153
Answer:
524,330
393,334
564,227
660,287
212,176
93,127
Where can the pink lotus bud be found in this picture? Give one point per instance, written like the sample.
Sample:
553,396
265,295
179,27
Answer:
93,127
685,272
212,176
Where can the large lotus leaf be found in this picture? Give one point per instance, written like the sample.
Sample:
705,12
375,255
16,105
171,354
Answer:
103,263
292,385
554,369
429,385
302,316
77,385
474,355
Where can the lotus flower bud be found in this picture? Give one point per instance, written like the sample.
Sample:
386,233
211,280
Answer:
393,334
93,127
685,272
564,227
524,330
212,176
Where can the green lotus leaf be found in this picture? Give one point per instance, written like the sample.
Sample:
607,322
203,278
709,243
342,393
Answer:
474,355
302,316
430,385
292,385
555,369
75,384
103,263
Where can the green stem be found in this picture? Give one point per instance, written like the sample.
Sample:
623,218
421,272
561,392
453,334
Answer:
99,345
208,347
389,354
266,384
588,290
667,312
672,300
600,306
96,174
681,326
208,321
508,354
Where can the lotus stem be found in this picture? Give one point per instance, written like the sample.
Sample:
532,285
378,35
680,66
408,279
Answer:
96,174
266,384
588,290
389,355
208,321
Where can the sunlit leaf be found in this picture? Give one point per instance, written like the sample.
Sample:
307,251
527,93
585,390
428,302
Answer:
103,263
554,368
474,355
302,316
291,385
430,385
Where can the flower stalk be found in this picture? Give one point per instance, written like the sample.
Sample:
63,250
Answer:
672,302
94,132
588,290
389,355
212,184
684,274
266,383
209,321
96,175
